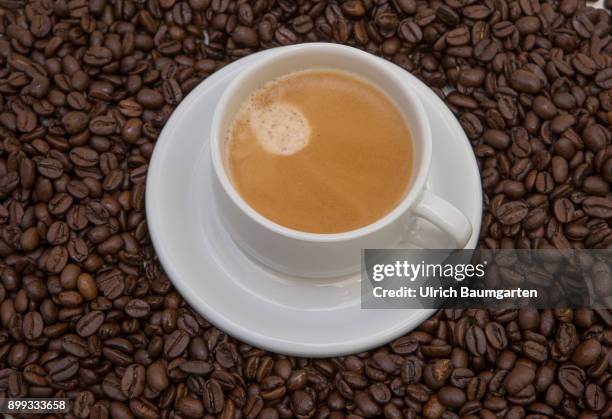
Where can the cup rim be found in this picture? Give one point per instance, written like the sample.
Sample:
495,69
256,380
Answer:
419,177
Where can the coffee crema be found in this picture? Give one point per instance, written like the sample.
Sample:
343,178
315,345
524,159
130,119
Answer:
320,151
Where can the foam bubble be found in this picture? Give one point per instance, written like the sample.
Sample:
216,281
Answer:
281,128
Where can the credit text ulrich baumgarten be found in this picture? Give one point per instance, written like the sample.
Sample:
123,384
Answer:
459,272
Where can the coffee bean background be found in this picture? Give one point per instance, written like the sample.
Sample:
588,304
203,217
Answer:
86,311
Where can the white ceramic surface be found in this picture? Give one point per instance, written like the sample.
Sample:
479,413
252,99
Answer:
328,255
313,317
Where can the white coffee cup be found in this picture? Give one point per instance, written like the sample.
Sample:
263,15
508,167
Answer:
328,255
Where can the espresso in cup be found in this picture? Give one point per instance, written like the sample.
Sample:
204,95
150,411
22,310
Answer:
320,151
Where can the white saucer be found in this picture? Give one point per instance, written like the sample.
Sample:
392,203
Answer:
293,316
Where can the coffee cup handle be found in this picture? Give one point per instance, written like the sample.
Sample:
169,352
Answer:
445,216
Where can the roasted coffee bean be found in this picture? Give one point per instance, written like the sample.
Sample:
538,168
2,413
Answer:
564,210
176,343
411,31
157,377
571,379
133,381
33,325
544,108
192,407
74,345
594,397
75,122
475,340
83,404
404,345
150,99
485,50
496,139
87,286
518,379
84,156
597,207
50,168
512,212
137,308
245,36
586,353
525,81
98,56
472,77
16,386
302,403
143,408
535,351
496,335
213,396
62,369
196,367
451,397
90,323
